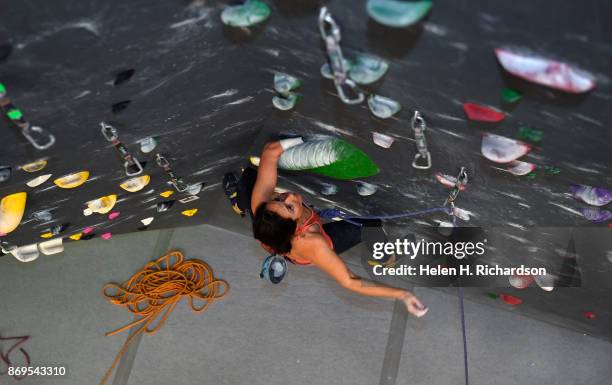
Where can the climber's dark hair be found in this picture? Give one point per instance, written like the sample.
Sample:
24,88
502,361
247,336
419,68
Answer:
273,230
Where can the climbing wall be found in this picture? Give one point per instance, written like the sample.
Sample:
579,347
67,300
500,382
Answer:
204,91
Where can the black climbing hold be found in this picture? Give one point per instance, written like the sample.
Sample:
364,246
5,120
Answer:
120,106
5,51
5,173
123,76
143,228
87,237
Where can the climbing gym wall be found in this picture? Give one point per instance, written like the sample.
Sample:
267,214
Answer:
517,94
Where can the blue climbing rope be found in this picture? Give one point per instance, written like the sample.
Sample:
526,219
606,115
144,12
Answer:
336,213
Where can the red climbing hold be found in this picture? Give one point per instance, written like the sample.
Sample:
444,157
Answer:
482,113
589,315
510,299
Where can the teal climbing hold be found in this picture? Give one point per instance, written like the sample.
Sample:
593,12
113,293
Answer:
246,15
397,14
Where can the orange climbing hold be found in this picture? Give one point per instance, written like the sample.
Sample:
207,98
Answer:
153,292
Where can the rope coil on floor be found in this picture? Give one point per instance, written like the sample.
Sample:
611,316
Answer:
156,289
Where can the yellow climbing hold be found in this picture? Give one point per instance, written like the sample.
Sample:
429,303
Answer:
167,193
101,205
254,160
136,183
34,166
189,213
72,180
76,237
46,235
11,211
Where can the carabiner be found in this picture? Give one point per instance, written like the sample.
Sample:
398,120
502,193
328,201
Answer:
131,166
325,18
35,129
330,32
427,157
161,161
351,85
27,130
109,132
462,179
419,127
174,181
132,163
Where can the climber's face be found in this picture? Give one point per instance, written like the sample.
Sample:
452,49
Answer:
287,205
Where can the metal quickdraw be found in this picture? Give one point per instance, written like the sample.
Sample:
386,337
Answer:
39,138
132,165
175,181
419,127
330,32
462,179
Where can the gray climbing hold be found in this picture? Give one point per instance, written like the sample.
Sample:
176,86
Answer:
368,69
366,189
285,103
383,107
284,83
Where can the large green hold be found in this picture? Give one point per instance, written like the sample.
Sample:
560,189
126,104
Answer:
397,14
246,15
329,157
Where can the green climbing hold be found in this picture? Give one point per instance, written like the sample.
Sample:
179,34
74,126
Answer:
398,14
2,89
529,134
14,114
285,103
552,170
246,15
329,157
509,95
531,176
492,295
367,69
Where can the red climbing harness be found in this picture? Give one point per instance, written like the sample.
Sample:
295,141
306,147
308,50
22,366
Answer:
313,219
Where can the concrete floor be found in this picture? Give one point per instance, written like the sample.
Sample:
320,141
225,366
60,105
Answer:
306,330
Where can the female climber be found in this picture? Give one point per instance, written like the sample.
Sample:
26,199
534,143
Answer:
286,226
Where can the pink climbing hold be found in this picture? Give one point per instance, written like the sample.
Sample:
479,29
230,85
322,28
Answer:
549,73
482,113
106,236
521,281
448,181
510,299
87,230
113,215
500,149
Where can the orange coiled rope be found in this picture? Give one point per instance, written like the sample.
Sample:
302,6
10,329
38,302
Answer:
155,290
